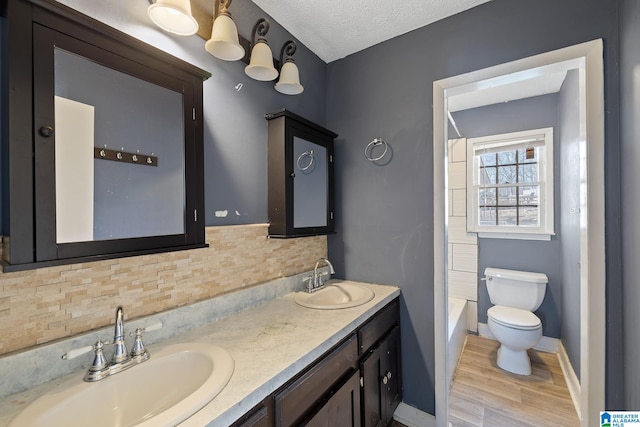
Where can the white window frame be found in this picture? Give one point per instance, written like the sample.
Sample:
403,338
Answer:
511,141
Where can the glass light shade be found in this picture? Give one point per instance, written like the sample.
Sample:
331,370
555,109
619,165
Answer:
173,16
289,82
261,65
223,43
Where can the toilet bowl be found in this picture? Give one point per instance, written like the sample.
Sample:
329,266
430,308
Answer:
516,295
517,330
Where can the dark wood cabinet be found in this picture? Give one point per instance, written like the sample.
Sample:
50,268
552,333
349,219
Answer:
76,85
300,173
356,383
382,381
295,401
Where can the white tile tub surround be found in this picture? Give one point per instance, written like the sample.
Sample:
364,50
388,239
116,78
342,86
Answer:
458,150
459,203
458,231
462,274
465,258
462,284
270,343
457,175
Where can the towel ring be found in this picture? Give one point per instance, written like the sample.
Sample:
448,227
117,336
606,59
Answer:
301,157
369,149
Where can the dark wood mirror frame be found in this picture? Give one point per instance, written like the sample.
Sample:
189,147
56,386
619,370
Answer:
28,203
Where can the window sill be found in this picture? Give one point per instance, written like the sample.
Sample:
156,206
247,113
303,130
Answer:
515,236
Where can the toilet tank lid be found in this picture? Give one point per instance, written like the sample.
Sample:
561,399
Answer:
525,276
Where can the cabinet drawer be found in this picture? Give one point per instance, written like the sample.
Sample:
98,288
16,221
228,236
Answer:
378,326
294,400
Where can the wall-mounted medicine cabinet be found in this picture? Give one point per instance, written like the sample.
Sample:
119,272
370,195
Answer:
300,175
102,141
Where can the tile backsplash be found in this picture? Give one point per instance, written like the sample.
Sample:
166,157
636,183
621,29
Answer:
43,305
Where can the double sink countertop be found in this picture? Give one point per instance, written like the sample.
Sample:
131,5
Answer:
270,343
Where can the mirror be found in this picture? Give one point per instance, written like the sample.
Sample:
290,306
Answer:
98,199
105,143
310,185
300,176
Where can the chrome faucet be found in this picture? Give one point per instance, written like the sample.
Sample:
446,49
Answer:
119,349
121,360
316,282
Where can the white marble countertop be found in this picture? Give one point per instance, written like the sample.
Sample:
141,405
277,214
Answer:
270,343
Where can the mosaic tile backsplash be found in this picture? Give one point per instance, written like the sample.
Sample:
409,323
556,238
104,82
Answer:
39,306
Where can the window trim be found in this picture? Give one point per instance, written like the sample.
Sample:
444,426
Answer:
541,137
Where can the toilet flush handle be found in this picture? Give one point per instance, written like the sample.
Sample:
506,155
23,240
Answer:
489,278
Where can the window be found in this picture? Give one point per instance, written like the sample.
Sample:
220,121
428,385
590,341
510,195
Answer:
510,185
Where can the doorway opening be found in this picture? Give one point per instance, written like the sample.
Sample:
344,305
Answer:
518,80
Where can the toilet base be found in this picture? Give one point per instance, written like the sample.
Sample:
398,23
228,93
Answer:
515,361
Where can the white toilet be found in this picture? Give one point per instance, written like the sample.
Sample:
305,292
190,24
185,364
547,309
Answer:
515,295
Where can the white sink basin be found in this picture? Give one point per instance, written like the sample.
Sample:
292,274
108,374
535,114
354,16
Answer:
172,385
336,295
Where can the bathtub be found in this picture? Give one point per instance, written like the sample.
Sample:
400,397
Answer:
457,329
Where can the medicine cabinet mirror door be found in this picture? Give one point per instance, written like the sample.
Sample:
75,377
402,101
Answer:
114,153
300,176
310,185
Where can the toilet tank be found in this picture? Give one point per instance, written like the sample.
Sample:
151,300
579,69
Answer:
513,288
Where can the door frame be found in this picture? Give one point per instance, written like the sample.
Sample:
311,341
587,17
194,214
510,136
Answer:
592,243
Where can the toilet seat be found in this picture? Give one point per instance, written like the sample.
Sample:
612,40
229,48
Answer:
514,318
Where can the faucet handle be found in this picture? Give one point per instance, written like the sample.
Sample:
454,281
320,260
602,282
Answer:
72,354
138,346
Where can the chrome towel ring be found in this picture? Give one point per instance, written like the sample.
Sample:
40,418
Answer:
368,150
301,157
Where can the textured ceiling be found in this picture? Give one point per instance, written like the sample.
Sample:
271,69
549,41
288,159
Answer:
333,29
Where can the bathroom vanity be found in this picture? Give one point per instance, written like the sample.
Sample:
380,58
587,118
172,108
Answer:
292,364
358,379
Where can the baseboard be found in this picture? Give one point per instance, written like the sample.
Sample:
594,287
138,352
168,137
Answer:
570,376
546,344
413,417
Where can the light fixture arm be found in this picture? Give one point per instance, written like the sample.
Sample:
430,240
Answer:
222,8
289,47
261,28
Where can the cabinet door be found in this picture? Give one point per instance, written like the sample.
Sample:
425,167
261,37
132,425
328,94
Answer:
372,390
382,381
391,374
301,200
343,407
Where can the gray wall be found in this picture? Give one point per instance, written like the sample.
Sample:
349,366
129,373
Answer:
527,255
630,119
569,142
235,131
385,213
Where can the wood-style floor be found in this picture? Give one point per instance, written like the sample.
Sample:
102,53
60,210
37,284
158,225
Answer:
484,395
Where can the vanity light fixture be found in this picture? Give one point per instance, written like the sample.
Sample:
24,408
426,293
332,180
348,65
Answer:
261,64
224,43
289,82
173,16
